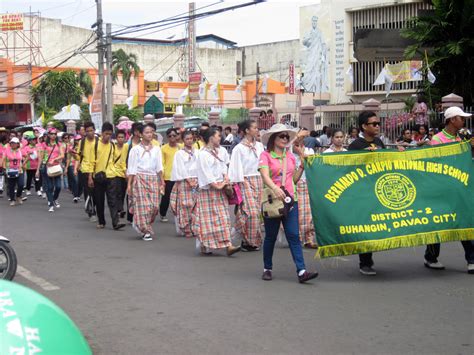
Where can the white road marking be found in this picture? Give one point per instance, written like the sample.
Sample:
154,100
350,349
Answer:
27,274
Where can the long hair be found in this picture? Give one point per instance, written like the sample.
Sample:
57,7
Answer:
271,141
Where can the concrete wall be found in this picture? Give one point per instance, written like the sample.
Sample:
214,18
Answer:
273,59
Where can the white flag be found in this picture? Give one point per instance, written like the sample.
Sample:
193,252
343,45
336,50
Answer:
265,84
184,96
431,77
238,88
384,78
202,91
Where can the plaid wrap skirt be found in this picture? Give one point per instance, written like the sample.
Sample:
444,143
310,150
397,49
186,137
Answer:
145,203
183,203
305,219
248,221
212,219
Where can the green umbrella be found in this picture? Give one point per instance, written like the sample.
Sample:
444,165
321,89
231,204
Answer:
30,324
28,134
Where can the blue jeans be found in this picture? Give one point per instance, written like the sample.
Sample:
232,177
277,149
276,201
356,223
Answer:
290,225
74,181
53,187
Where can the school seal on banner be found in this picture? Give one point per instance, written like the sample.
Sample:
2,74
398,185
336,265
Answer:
395,191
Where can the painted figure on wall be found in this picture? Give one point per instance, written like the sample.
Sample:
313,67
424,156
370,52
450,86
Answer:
316,60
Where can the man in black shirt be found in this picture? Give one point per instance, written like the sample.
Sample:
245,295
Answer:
369,124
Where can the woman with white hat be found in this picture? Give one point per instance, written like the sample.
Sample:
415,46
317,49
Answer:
278,170
12,164
243,170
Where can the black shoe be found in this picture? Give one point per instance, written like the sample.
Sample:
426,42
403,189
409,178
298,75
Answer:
122,214
119,226
267,275
367,271
248,247
307,276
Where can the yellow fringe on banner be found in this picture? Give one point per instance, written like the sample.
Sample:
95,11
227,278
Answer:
358,158
404,241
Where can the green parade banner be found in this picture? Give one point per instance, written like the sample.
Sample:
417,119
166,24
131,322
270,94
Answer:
363,201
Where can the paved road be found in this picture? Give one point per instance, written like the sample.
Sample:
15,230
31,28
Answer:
135,297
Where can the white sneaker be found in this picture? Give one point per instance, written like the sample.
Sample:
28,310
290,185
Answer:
28,193
12,203
51,209
24,198
56,204
470,268
163,219
93,219
19,200
38,193
147,237
43,195
435,266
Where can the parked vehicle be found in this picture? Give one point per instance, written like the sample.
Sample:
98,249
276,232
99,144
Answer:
8,260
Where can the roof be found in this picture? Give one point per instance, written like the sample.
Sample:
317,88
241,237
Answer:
166,42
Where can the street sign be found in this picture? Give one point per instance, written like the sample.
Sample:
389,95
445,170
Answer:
194,82
153,105
291,76
152,86
95,107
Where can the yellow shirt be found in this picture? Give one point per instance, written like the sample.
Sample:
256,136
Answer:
117,167
104,153
199,144
156,143
167,153
88,156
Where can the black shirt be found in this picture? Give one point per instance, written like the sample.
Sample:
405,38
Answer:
361,144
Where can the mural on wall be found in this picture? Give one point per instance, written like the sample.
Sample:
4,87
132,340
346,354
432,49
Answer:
314,23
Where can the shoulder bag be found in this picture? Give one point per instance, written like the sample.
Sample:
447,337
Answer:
55,170
272,206
101,177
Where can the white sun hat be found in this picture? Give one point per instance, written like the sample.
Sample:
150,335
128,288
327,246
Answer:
277,128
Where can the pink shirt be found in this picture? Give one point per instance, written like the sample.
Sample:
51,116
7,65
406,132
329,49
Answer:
47,149
274,163
29,153
13,159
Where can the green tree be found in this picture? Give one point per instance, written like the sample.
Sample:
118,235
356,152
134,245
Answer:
448,34
56,90
85,82
122,110
127,64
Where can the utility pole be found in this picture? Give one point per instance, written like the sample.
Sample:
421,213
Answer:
108,61
100,50
256,85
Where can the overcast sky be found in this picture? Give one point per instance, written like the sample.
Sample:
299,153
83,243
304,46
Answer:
266,22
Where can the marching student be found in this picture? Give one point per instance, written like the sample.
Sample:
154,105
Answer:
31,157
243,170
184,195
212,220
145,182
13,167
103,182
118,173
305,219
168,152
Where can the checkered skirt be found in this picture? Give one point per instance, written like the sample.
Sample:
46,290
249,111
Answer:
183,203
248,222
212,219
145,204
305,220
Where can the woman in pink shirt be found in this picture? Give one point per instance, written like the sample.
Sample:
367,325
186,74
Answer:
273,162
52,154
31,158
12,164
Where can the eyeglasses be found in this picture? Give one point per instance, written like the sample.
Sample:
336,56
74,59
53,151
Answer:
374,124
284,136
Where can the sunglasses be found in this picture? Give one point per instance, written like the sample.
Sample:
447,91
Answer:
284,136
374,124
172,135
53,134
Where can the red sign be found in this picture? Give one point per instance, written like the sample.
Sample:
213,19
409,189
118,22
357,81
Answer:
95,107
291,76
194,82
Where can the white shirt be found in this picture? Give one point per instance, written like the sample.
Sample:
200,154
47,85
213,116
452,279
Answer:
211,169
307,151
184,165
143,162
330,150
229,138
244,161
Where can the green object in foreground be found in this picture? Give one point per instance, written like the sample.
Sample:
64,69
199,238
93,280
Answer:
32,324
371,201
